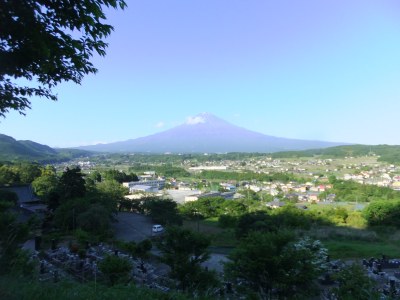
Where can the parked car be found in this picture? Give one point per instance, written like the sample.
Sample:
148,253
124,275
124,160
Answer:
157,228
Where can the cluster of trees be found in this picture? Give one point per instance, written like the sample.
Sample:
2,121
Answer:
383,213
269,261
46,43
161,211
210,207
275,220
240,214
78,203
184,251
116,269
167,170
354,283
12,233
75,203
351,191
249,176
119,176
77,200
19,173
276,265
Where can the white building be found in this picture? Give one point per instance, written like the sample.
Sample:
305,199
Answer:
143,189
209,168
155,184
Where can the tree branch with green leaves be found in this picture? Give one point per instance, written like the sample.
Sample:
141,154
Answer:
48,42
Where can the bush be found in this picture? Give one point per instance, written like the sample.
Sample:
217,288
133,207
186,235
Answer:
116,269
355,284
227,221
356,220
385,213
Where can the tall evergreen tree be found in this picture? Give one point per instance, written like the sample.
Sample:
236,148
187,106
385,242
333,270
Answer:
72,183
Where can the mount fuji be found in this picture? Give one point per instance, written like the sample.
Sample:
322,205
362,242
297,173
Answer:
206,133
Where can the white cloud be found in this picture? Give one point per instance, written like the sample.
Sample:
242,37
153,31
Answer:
160,124
195,120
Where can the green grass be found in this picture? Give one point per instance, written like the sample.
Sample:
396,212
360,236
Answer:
12,288
361,249
222,240
225,239
342,233
350,206
347,242
207,227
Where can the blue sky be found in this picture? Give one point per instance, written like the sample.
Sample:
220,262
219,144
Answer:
326,70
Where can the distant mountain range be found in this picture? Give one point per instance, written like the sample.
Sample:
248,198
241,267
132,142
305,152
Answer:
11,149
206,133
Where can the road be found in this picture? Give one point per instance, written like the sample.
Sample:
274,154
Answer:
132,227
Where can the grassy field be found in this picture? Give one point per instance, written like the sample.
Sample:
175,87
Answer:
222,240
355,243
362,249
341,241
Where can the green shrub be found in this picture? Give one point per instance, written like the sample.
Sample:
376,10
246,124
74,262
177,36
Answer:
356,220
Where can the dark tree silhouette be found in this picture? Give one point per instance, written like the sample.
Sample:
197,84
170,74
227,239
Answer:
72,184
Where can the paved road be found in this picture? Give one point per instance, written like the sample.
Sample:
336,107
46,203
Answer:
216,262
132,227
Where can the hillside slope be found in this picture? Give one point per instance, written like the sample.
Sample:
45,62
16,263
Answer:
12,150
